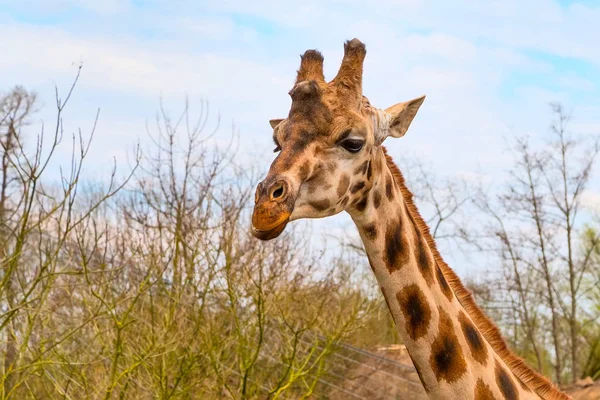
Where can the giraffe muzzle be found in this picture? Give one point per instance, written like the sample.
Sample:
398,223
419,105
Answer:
273,205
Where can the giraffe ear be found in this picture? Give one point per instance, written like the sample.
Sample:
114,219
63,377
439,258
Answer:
401,115
275,122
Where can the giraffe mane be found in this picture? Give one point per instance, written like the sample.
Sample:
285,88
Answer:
532,379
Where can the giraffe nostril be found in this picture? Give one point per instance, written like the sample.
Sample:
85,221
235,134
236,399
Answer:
277,191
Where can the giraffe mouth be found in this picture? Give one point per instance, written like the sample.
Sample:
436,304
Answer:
271,233
271,215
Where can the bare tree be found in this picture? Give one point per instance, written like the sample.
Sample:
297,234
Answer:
535,231
151,285
442,200
16,108
36,223
567,166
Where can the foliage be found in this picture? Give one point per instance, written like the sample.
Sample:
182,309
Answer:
150,285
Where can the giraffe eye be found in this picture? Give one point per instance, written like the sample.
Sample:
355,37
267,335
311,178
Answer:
352,145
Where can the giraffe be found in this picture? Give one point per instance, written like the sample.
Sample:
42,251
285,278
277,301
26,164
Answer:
331,159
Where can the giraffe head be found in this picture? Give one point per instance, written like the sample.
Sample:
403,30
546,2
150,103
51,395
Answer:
327,145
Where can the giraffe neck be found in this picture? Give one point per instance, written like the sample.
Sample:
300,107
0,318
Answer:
452,357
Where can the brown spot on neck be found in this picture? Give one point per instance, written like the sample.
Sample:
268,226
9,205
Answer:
416,311
389,188
447,359
396,246
505,383
422,254
423,260
474,340
483,391
443,283
376,198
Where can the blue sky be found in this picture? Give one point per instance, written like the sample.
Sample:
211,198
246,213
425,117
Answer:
488,68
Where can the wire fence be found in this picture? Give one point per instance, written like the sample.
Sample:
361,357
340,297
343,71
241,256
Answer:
349,372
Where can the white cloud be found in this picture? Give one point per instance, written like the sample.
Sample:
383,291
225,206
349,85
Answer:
242,57
104,7
136,70
246,74
126,67
540,25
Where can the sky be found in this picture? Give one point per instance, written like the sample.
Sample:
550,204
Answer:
488,68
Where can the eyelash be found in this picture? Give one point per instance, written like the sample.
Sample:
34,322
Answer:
352,145
347,144
277,145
